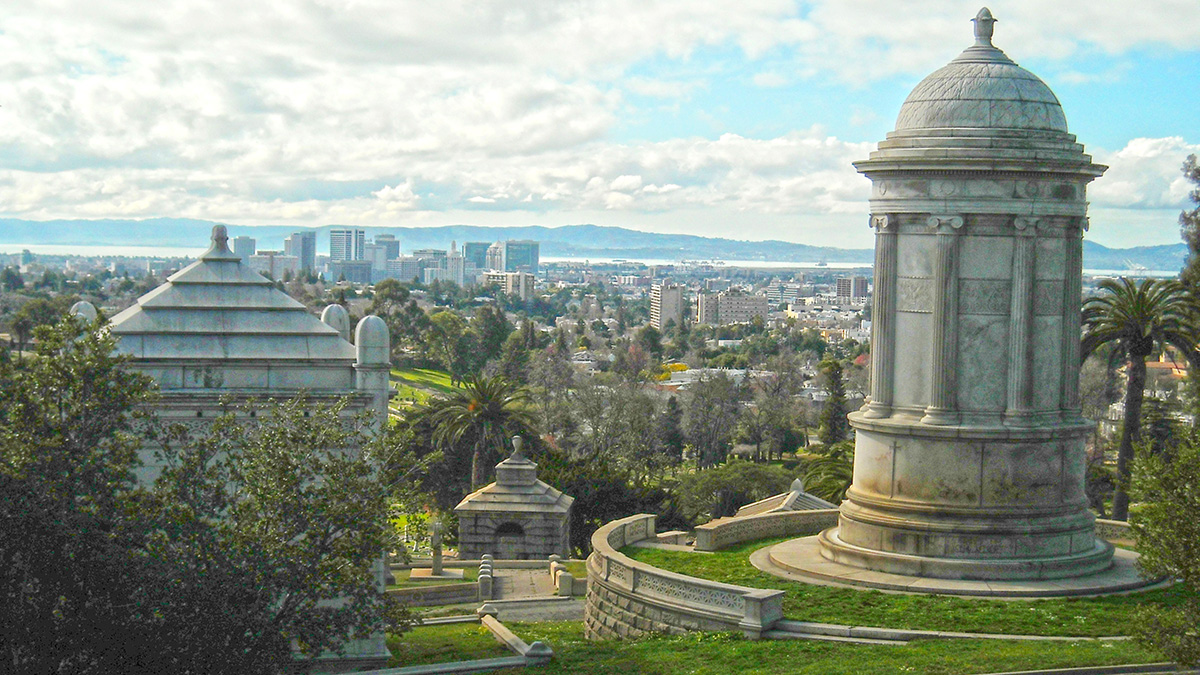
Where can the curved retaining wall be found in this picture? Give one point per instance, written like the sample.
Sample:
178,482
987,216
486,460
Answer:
1114,531
725,532
627,598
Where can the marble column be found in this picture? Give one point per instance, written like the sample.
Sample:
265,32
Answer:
883,318
944,347
1072,292
1020,356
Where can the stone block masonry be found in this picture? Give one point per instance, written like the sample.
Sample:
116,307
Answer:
629,599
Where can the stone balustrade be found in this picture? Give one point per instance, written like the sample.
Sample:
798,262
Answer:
725,532
627,598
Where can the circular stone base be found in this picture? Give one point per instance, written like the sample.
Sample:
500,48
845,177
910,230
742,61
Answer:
801,560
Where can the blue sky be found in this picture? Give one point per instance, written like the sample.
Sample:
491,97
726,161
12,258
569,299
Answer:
720,118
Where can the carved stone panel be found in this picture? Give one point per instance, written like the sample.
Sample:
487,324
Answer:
984,296
914,295
1048,297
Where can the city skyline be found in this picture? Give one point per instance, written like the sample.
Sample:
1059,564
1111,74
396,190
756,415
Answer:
705,118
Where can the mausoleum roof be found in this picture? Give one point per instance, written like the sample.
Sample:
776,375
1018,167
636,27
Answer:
219,309
516,490
982,88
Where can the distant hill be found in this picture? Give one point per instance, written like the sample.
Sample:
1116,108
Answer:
574,241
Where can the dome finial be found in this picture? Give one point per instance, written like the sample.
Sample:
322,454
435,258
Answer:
985,24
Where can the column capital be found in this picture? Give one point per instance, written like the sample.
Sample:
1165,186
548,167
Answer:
944,223
883,222
1026,226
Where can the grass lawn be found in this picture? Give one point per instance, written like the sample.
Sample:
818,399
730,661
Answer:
425,378
436,644
403,580
722,653
1111,615
577,569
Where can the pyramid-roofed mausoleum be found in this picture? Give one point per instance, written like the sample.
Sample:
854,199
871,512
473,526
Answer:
517,517
218,331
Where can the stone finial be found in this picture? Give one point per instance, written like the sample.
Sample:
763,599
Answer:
797,485
220,246
84,310
336,317
985,25
518,445
371,339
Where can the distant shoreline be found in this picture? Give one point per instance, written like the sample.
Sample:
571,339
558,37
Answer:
161,252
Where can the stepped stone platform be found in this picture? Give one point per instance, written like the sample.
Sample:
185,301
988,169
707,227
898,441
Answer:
801,560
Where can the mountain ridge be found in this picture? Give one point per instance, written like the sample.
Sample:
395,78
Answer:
567,241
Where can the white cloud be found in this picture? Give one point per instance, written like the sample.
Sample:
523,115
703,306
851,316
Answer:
375,111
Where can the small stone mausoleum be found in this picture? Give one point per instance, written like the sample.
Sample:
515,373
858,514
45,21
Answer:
516,518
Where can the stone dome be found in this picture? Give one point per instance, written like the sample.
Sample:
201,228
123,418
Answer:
983,89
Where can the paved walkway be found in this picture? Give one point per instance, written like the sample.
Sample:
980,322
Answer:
514,584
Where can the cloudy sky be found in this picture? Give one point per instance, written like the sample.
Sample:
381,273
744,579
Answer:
734,118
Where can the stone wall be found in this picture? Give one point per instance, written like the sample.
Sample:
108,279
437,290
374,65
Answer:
441,594
725,532
626,598
1114,531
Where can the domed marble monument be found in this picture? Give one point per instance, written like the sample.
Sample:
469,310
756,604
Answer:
969,453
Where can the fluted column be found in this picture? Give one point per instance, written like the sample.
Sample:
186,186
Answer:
1072,298
1020,346
883,318
942,408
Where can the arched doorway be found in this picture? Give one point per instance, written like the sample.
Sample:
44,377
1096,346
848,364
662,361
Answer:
510,542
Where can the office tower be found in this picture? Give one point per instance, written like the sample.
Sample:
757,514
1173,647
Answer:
521,256
347,244
666,305
475,252
391,245
302,245
244,247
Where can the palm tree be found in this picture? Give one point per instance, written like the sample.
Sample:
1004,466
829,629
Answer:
1138,319
486,411
828,476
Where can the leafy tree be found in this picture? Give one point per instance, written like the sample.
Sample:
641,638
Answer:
1168,538
1138,318
407,324
514,358
481,415
830,474
551,372
1189,225
668,432
710,414
452,342
833,425
11,279
256,530
493,329
650,340
722,490
274,531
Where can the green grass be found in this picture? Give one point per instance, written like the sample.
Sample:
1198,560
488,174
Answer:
577,569
723,653
436,644
425,378
1102,616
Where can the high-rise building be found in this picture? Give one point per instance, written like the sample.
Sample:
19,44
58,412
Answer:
666,305
244,247
495,257
390,243
347,244
726,307
852,288
475,252
274,263
302,245
406,268
521,256
377,254
518,284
